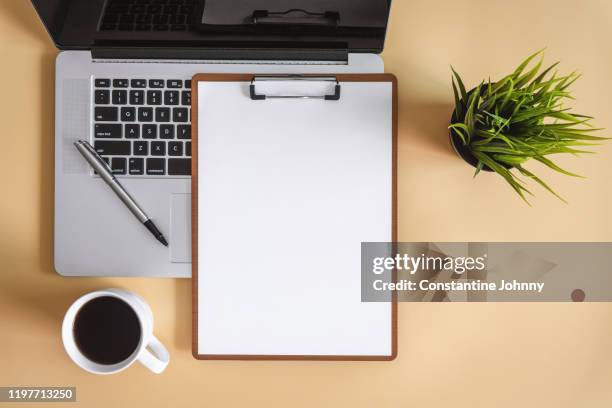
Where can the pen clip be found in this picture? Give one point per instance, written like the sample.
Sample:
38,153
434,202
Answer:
95,155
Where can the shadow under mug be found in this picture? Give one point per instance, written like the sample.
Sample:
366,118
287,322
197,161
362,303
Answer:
156,359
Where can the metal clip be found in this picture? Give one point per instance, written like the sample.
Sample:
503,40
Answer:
332,97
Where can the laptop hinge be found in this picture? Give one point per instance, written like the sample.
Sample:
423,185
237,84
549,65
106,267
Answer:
200,53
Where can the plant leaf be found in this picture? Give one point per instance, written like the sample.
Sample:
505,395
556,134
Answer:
532,176
460,83
540,77
521,81
553,166
469,115
460,128
458,103
479,167
519,70
505,173
512,160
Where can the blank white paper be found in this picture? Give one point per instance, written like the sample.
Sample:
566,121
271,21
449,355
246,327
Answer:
288,190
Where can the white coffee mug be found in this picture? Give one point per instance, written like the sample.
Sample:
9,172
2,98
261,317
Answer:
155,360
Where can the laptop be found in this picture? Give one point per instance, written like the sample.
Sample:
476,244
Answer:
123,82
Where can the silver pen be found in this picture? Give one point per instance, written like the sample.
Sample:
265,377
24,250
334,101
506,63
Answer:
105,172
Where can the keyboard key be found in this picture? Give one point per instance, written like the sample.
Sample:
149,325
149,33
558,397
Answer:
175,149
180,114
136,166
158,148
107,130
166,131
149,131
145,114
162,114
119,97
156,166
128,114
120,83
118,165
138,83
174,83
154,97
132,131
141,148
156,83
179,167
102,83
186,98
171,97
183,132
106,114
188,149
136,97
188,83
113,147
102,96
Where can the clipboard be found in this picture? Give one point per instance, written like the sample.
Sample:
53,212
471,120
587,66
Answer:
252,180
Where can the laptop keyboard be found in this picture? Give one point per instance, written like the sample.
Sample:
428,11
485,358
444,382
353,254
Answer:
142,127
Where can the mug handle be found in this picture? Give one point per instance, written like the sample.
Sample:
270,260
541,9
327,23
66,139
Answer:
156,361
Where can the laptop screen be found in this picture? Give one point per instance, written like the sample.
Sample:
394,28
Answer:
353,25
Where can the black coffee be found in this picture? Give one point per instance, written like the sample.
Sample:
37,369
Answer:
107,330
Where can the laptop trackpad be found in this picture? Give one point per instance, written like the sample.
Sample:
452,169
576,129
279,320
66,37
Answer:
180,228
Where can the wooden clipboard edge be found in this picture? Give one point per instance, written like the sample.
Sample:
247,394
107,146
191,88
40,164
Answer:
194,220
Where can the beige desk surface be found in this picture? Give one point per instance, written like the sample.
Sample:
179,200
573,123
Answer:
473,355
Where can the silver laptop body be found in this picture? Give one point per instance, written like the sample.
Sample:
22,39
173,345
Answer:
94,233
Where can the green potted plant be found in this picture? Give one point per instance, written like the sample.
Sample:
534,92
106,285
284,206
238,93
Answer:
499,126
